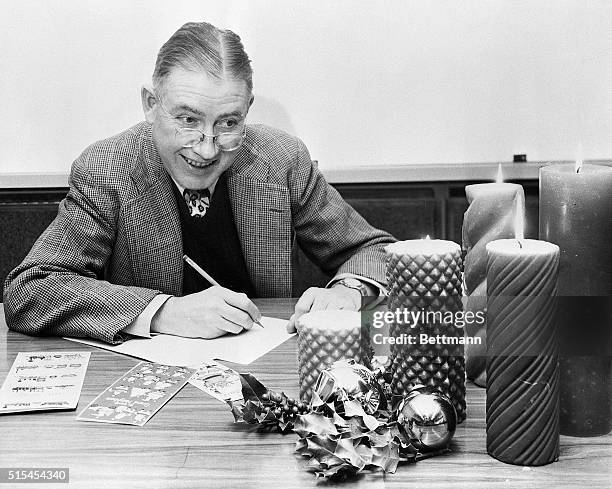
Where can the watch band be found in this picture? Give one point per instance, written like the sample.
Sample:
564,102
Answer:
353,283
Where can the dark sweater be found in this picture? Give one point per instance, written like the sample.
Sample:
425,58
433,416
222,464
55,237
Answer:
212,242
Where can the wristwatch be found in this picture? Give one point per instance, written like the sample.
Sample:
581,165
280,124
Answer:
353,283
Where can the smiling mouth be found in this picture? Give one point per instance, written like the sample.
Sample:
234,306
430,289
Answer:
198,164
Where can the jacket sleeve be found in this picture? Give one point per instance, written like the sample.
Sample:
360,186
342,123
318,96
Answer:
331,233
59,288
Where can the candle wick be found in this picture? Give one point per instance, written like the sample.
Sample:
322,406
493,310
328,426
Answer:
520,244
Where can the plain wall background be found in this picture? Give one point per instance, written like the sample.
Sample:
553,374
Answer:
362,82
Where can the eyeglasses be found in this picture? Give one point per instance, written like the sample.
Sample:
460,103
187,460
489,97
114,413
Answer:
188,137
225,141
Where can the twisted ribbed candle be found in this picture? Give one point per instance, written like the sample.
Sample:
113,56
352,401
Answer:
490,216
325,337
522,353
425,275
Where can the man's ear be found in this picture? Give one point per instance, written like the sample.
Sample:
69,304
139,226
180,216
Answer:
148,102
250,102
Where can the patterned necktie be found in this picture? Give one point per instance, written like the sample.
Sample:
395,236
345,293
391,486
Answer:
198,201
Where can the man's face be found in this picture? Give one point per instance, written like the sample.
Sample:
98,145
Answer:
195,100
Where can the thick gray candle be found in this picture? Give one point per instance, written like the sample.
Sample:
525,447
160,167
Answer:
522,357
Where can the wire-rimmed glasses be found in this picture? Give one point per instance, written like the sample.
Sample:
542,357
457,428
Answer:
225,141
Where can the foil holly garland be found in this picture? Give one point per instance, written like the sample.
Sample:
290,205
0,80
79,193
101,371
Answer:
341,439
338,436
266,408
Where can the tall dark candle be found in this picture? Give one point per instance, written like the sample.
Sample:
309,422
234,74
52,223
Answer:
576,214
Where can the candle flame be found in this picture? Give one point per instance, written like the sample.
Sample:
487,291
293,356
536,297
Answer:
427,237
519,219
500,176
578,166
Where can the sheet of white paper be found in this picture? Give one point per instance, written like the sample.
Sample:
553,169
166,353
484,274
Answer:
44,380
243,348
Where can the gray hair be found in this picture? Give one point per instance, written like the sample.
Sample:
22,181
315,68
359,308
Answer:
202,45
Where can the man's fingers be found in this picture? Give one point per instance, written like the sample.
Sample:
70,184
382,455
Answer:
318,299
229,326
310,300
242,302
238,317
304,304
210,333
291,327
321,301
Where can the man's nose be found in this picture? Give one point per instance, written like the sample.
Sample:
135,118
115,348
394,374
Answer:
206,149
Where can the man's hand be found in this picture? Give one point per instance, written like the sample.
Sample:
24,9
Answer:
315,299
208,314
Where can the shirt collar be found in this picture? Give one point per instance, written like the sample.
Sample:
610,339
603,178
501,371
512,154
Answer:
211,189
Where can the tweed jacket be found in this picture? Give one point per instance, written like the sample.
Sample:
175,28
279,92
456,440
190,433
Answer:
116,241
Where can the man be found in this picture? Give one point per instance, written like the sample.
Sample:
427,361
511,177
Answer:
193,179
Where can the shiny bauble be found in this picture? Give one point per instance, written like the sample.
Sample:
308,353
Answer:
428,418
346,379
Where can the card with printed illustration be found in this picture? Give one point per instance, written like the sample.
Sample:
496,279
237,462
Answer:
39,381
138,395
217,380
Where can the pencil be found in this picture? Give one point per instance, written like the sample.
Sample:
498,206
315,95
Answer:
199,269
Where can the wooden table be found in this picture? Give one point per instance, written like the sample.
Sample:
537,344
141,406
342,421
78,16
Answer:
193,442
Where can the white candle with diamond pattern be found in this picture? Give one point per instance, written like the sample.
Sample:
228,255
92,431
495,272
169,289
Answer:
325,337
425,275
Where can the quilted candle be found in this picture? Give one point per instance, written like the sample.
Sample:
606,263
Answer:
325,337
424,276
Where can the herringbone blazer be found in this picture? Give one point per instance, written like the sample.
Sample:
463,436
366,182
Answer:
116,241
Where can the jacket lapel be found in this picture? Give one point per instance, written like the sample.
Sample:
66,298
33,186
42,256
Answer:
153,227
262,213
